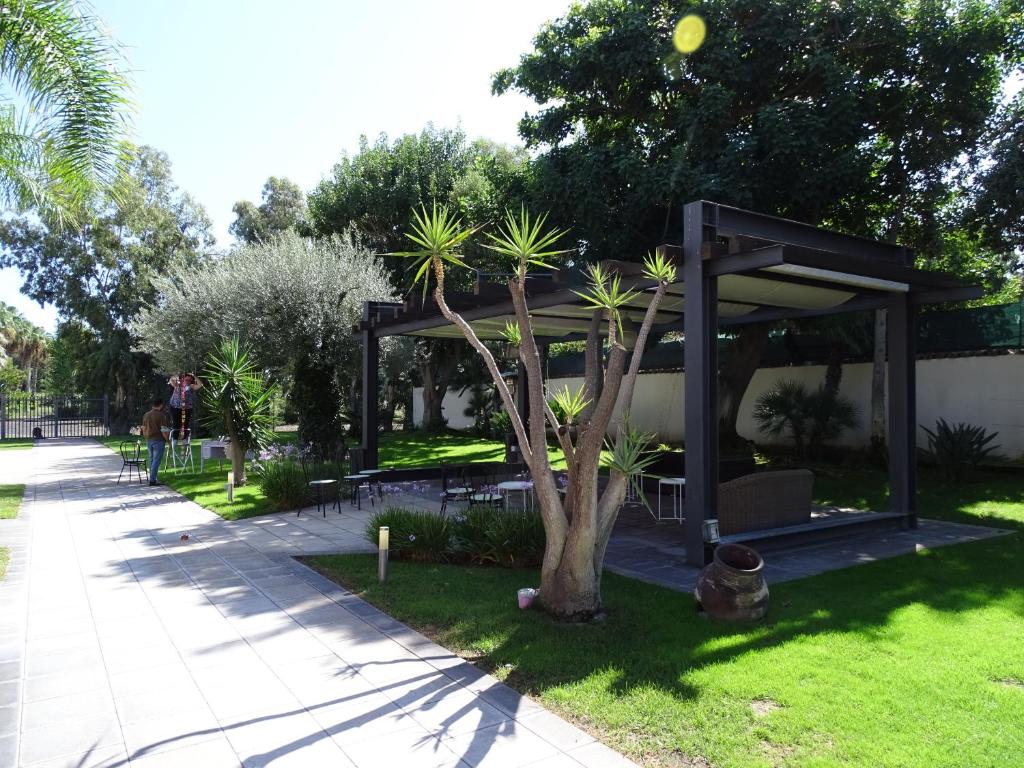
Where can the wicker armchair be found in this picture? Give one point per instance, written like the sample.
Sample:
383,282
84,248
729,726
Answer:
765,500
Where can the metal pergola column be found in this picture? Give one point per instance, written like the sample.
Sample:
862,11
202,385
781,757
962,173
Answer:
700,326
371,374
902,415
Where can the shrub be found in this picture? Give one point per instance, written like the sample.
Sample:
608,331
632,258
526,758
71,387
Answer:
809,418
283,483
960,449
501,423
422,536
514,539
483,535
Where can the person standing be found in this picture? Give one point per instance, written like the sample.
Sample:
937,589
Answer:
155,431
183,401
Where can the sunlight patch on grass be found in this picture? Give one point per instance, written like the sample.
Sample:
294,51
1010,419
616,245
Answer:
10,500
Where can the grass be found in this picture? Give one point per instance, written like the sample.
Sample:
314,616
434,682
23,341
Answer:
16,444
5,557
10,500
911,661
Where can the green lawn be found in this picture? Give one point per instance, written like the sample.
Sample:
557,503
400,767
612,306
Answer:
10,500
16,444
5,557
400,449
911,661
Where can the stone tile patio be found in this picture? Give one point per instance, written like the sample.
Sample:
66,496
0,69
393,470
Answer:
121,644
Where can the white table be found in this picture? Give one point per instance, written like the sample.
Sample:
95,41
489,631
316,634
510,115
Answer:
212,449
676,486
523,486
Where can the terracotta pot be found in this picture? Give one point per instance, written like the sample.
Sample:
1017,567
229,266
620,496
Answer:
732,587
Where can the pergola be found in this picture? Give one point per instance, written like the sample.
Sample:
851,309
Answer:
734,267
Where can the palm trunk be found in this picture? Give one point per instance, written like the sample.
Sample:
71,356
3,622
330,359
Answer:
237,453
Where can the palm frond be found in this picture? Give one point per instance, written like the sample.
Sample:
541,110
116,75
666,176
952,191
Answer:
440,234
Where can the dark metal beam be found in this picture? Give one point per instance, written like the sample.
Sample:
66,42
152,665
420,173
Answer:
740,263
942,295
901,337
701,399
371,371
731,221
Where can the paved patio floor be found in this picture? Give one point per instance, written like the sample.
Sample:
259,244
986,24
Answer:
122,644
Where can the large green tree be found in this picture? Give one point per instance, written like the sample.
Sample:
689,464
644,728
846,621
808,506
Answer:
282,209
23,345
63,106
375,191
291,301
101,271
852,115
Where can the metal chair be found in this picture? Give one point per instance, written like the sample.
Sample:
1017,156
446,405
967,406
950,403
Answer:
483,486
131,456
357,481
454,486
322,473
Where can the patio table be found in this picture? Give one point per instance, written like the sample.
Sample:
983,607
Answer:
523,486
212,449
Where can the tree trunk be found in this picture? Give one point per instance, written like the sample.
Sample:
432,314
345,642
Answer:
834,369
877,447
736,372
387,413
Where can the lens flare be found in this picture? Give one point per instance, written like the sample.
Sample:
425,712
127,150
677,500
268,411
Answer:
689,33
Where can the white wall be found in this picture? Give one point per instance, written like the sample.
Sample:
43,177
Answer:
987,391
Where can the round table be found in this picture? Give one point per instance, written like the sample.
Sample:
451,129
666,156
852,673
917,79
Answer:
508,486
676,486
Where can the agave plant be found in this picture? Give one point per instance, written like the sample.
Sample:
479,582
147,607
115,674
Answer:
959,449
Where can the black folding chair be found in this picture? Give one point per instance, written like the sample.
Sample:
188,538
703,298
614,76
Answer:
131,456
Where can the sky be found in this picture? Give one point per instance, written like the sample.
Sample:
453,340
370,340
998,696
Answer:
238,90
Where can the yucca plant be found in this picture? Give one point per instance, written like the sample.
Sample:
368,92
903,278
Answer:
577,526
240,401
958,450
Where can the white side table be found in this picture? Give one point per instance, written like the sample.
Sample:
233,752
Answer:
212,449
676,486
518,485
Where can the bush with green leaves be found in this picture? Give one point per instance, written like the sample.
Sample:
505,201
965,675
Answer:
501,423
809,418
483,535
510,538
283,483
421,536
958,450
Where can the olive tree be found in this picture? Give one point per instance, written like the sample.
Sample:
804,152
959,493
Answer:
577,527
292,301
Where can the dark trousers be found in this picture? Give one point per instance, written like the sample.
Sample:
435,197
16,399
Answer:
176,418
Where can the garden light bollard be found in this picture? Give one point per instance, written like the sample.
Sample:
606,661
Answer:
231,487
382,554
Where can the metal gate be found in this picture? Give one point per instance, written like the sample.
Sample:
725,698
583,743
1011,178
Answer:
54,416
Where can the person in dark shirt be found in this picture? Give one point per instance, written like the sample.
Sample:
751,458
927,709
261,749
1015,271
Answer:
155,431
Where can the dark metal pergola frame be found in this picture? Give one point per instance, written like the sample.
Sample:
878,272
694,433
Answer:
719,242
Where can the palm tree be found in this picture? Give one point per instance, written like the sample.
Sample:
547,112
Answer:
240,402
63,106
24,343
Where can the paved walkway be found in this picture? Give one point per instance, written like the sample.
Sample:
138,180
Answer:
121,644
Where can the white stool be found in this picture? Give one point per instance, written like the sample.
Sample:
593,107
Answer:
676,486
